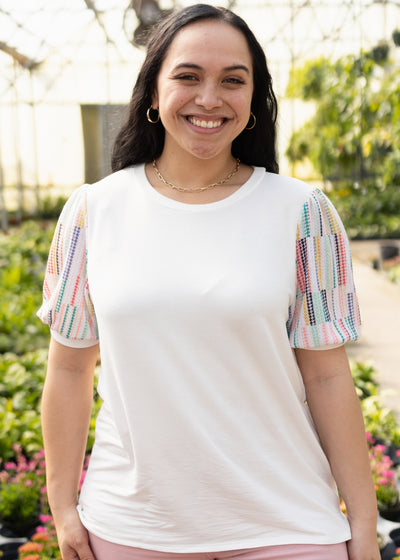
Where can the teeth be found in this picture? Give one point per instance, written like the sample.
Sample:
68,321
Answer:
205,124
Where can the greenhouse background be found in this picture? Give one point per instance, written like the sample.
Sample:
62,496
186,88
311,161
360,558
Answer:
67,68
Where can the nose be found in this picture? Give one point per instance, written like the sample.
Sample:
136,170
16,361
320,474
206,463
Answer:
208,96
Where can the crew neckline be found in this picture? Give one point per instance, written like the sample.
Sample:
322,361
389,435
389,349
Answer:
243,190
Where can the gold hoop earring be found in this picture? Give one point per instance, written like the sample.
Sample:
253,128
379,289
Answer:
149,117
254,121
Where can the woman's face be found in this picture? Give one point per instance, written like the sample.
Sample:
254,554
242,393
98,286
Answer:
204,89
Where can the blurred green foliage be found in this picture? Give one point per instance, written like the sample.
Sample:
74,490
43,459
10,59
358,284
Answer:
364,378
23,257
24,339
352,140
380,421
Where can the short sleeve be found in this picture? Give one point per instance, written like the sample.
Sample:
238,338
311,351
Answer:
325,311
67,306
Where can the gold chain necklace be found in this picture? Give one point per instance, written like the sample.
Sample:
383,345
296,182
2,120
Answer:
195,189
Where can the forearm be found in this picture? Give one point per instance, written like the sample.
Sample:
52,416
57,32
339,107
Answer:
336,412
66,408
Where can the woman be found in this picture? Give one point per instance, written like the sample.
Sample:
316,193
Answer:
210,282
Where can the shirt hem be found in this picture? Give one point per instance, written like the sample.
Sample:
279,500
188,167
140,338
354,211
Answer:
319,348
72,342
221,546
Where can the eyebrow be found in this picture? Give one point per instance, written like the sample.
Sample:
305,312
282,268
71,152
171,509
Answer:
226,69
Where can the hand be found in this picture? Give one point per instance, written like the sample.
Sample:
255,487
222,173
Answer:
363,545
72,536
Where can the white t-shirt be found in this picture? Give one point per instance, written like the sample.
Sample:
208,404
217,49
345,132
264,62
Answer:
204,441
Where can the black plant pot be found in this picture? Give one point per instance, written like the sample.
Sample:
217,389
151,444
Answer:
19,527
388,251
391,450
9,544
391,514
395,536
389,551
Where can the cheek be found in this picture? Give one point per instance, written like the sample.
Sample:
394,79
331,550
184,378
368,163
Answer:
242,102
172,102
243,111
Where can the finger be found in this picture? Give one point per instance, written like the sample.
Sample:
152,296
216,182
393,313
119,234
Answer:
81,552
85,553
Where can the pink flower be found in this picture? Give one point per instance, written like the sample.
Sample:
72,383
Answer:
45,518
382,480
28,483
10,466
39,455
380,447
389,474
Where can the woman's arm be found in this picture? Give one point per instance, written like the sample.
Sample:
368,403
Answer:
66,409
336,412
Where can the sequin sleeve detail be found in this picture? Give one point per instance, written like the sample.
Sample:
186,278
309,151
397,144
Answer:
67,306
325,311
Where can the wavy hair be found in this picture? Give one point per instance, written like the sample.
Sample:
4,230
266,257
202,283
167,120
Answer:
139,141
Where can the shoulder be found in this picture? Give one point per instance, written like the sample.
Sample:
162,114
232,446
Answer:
113,184
115,193
309,198
288,192
285,187
289,185
302,204
74,210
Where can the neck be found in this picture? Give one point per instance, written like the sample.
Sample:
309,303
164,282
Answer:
195,172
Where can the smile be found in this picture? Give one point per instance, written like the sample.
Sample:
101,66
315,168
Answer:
205,124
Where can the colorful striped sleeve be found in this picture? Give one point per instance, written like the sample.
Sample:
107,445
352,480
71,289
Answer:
67,307
325,312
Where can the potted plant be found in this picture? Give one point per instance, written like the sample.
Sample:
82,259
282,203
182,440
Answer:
22,484
384,476
43,544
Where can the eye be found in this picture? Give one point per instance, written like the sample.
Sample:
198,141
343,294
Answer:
234,81
186,77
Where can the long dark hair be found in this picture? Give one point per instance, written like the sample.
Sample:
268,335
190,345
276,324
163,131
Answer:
139,141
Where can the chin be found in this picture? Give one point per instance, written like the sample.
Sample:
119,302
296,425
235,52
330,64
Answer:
206,153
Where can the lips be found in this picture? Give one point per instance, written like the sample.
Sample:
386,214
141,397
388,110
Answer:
202,123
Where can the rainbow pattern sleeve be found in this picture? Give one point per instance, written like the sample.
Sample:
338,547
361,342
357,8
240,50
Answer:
67,307
325,311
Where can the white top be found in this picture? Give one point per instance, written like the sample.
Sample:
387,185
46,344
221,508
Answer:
204,441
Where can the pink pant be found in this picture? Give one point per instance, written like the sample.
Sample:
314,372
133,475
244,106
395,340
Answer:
104,550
